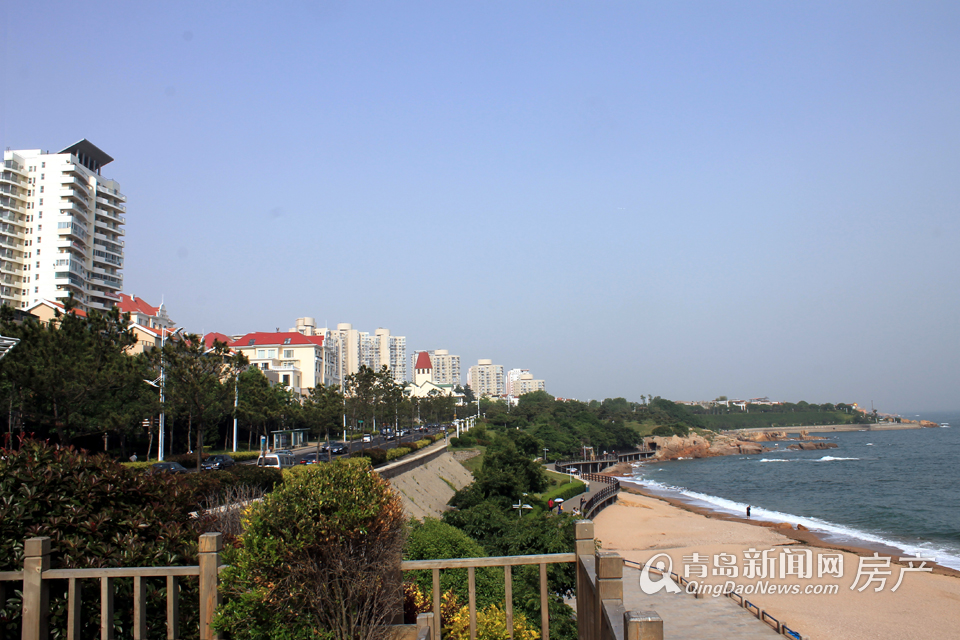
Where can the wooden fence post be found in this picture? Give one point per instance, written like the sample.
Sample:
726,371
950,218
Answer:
586,547
642,625
36,593
210,546
609,584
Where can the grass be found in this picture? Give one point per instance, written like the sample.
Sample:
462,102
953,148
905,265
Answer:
474,463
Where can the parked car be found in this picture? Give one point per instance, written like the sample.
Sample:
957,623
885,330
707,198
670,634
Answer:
276,460
366,438
167,467
219,461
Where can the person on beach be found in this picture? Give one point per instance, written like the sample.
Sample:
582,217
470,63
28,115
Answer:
748,511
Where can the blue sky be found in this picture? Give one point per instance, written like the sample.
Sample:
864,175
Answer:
681,199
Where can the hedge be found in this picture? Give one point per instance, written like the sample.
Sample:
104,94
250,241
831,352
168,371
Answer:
565,491
393,454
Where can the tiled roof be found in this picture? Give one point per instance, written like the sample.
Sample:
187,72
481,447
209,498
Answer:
133,304
209,339
423,361
57,305
260,339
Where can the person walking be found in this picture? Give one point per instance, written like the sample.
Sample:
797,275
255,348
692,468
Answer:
748,511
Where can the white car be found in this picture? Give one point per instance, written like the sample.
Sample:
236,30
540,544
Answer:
366,438
276,460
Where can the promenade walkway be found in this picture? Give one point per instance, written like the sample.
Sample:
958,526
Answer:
685,616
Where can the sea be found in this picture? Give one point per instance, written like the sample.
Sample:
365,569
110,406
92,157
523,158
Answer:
877,489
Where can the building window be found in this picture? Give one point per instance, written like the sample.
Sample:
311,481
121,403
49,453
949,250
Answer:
286,380
288,353
287,341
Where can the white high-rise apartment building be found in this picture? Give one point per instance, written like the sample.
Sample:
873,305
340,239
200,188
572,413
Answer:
61,228
526,384
512,376
486,379
446,367
391,352
355,348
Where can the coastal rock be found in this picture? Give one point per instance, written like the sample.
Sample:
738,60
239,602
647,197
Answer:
927,423
696,446
800,527
812,446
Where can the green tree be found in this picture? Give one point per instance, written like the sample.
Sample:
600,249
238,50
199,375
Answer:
433,539
62,373
311,563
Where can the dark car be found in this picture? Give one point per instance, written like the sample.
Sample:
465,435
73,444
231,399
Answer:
311,458
167,467
337,448
217,462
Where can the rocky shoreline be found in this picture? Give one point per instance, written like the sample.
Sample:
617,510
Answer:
712,445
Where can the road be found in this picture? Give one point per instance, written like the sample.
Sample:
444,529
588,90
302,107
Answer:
377,441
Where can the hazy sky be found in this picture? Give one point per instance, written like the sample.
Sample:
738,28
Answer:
684,199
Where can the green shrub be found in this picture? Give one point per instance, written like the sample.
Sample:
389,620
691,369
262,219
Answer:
423,443
97,514
565,491
253,476
672,430
399,452
433,539
455,443
376,455
413,446
313,557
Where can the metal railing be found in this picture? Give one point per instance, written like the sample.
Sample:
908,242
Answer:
601,498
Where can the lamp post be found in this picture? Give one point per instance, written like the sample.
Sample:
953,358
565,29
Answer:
236,400
159,382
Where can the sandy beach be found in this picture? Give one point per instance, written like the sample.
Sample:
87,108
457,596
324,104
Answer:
926,604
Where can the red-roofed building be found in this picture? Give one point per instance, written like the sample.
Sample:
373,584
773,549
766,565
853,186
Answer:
47,310
212,337
290,358
143,313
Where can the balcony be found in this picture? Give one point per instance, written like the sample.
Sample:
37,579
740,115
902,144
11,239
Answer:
74,194
13,191
68,182
110,214
112,205
11,178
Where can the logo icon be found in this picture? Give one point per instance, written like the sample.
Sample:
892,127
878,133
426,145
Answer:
650,586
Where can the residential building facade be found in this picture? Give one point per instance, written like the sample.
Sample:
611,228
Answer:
486,379
298,361
527,384
61,228
512,376
446,367
355,348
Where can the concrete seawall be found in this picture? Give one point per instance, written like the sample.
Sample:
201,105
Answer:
427,480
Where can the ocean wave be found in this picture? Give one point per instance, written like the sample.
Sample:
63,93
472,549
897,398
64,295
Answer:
775,460
831,458
947,557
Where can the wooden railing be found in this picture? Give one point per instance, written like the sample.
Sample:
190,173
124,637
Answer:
37,574
599,592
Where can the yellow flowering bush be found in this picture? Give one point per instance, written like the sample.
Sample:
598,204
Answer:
491,625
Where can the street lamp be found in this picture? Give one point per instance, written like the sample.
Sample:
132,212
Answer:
545,455
159,382
520,506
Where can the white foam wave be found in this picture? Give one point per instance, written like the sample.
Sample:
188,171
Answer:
831,458
947,557
775,460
